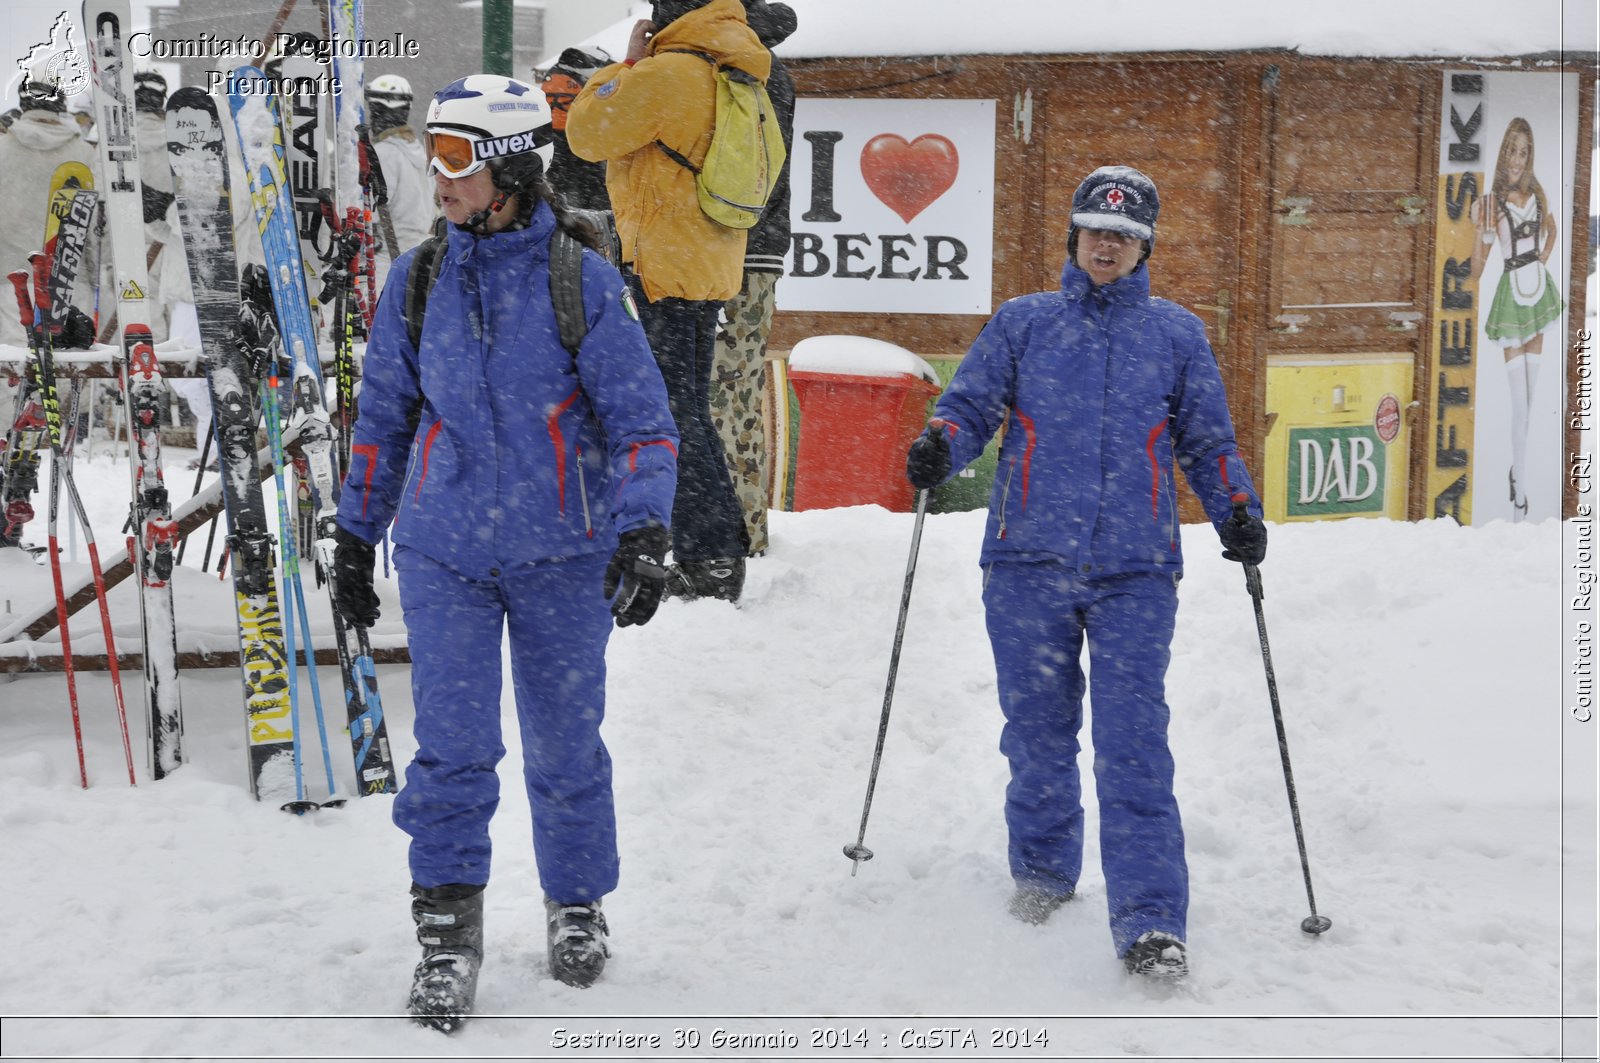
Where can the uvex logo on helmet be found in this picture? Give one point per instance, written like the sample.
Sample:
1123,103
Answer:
498,147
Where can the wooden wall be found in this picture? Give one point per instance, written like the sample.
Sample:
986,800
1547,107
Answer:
1297,198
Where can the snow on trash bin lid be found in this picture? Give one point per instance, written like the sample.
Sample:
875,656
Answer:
857,356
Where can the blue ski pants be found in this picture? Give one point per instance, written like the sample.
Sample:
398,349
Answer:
558,624
1039,615
707,521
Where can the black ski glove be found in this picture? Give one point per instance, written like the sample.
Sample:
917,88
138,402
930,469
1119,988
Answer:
636,577
1244,538
353,561
77,332
928,461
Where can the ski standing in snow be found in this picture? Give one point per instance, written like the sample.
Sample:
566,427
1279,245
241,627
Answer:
1104,392
154,543
198,152
531,488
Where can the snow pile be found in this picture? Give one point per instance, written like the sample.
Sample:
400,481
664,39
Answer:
857,356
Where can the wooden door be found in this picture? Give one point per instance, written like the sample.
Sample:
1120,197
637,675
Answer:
1351,208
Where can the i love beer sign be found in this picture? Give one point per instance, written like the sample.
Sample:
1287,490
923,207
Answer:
892,207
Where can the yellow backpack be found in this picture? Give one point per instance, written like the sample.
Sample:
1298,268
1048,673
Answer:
746,154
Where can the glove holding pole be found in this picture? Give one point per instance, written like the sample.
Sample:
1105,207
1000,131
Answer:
928,460
1246,540
353,561
1244,537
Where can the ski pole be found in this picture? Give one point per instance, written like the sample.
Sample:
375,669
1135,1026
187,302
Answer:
199,477
1313,923
299,806
859,853
33,325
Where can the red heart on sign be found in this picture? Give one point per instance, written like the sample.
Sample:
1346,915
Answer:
907,177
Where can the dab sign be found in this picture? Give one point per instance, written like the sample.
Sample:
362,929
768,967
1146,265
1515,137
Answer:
1336,472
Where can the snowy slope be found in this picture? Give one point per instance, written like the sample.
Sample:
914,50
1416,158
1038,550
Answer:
1419,670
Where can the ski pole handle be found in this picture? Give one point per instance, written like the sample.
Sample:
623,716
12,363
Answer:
19,281
330,213
41,287
1252,574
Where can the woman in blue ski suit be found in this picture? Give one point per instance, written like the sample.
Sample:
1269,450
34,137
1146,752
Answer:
526,486
1104,392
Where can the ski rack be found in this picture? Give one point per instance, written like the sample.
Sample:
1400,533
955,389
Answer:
18,655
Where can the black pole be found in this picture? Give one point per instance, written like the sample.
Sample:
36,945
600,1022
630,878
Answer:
858,853
1313,923
199,477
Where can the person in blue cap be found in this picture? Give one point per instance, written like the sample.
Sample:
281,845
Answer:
1104,392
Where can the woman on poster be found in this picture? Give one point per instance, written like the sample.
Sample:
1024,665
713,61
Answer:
1516,215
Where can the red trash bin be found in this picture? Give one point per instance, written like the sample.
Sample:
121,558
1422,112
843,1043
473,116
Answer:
862,402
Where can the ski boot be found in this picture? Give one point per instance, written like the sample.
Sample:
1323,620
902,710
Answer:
577,939
1157,955
450,929
720,577
1034,904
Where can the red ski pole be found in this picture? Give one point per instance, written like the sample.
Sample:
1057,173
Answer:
31,324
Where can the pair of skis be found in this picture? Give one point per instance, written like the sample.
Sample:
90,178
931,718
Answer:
71,215
145,395
260,143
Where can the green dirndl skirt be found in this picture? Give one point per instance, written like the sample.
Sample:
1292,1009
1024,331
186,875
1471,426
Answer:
1511,323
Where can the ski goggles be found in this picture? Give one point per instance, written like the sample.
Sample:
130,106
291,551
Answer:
560,89
452,155
457,154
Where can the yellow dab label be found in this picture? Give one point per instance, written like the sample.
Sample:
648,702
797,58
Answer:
133,291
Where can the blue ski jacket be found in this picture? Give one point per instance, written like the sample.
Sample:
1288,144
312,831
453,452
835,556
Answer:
492,445
1103,392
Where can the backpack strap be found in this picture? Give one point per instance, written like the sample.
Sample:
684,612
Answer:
419,282
566,289
677,156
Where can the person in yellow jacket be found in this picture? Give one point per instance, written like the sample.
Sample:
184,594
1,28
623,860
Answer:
682,265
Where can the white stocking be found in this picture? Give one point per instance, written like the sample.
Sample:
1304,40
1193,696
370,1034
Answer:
1530,365
1516,378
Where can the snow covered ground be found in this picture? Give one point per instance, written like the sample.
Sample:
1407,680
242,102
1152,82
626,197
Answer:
1448,802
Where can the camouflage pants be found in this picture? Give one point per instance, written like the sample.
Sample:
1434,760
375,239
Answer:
738,397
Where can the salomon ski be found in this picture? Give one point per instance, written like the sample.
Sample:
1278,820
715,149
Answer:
26,431
145,392
200,180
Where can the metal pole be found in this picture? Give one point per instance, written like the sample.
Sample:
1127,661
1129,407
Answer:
858,853
498,35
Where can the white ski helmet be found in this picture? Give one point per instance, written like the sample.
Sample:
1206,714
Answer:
389,90
494,121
